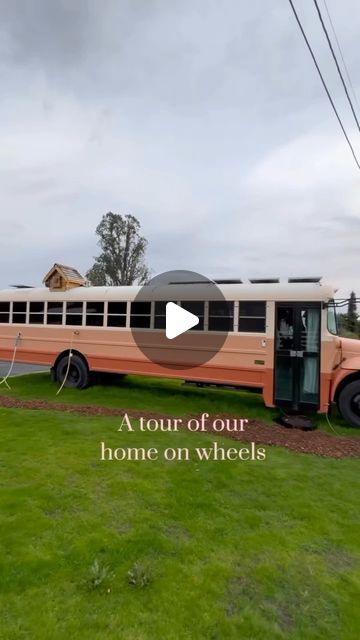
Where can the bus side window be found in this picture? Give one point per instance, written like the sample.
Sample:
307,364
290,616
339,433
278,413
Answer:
54,313
116,316
95,314
221,316
36,313
74,313
140,317
252,316
5,312
160,314
198,309
19,312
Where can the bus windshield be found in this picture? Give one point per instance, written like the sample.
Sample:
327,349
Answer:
331,318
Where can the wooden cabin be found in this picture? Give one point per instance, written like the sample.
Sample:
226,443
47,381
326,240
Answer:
62,278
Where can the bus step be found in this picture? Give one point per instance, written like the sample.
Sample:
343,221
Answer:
294,421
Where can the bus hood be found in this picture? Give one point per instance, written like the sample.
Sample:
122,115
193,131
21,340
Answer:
350,352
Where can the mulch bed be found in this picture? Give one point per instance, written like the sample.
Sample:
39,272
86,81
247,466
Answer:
315,442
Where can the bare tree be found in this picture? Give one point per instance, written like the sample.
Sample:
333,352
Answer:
122,257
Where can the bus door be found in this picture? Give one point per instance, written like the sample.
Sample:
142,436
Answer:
297,355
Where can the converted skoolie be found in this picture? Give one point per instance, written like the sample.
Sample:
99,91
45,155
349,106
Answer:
280,338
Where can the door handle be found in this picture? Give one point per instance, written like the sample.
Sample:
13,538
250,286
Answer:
296,354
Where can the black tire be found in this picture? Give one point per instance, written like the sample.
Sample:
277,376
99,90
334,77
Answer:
349,403
78,375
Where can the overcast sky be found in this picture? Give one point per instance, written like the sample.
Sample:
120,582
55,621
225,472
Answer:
204,119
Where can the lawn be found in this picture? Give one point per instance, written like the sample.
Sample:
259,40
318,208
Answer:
248,550
171,397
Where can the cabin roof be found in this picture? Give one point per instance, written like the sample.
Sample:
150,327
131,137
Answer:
70,274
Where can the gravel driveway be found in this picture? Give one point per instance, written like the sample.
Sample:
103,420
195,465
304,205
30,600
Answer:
20,368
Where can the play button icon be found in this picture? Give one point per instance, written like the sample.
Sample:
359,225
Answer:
177,323
178,320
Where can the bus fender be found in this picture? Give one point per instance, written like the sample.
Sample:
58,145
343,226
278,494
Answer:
348,371
351,363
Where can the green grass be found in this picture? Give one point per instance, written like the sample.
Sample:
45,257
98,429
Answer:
163,395
248,550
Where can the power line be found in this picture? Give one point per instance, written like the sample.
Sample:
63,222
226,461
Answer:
340,302
324,84
336,62
342,56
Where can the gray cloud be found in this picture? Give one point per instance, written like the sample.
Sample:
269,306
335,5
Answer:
205,120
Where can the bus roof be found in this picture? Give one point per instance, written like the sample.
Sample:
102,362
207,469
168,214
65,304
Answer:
295,291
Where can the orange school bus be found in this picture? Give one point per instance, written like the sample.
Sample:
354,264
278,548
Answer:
278,338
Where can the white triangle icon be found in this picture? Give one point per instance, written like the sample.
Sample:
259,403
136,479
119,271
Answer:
178,320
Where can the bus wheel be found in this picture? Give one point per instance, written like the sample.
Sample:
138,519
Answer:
78,374
349,403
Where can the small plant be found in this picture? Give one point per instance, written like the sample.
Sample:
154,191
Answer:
98,574
138,576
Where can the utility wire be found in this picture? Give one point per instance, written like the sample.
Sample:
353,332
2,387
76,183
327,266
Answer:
336,62
343,303
324,84
342,56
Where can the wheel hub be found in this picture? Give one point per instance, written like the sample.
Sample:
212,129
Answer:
355,404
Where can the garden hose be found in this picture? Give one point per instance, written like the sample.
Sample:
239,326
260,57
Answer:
68,364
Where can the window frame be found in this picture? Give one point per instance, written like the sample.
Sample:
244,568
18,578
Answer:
52,313
37,313
74,314
206,317
110,314
20,313
148,315
251,317
202,325
212,316
93,314
331,305
7,313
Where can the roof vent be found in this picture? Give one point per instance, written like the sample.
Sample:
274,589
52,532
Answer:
228,281
304,280
192,282
264,280
21,286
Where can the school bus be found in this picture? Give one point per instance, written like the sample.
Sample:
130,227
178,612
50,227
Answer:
278,338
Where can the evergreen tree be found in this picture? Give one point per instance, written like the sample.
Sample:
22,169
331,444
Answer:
352,316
